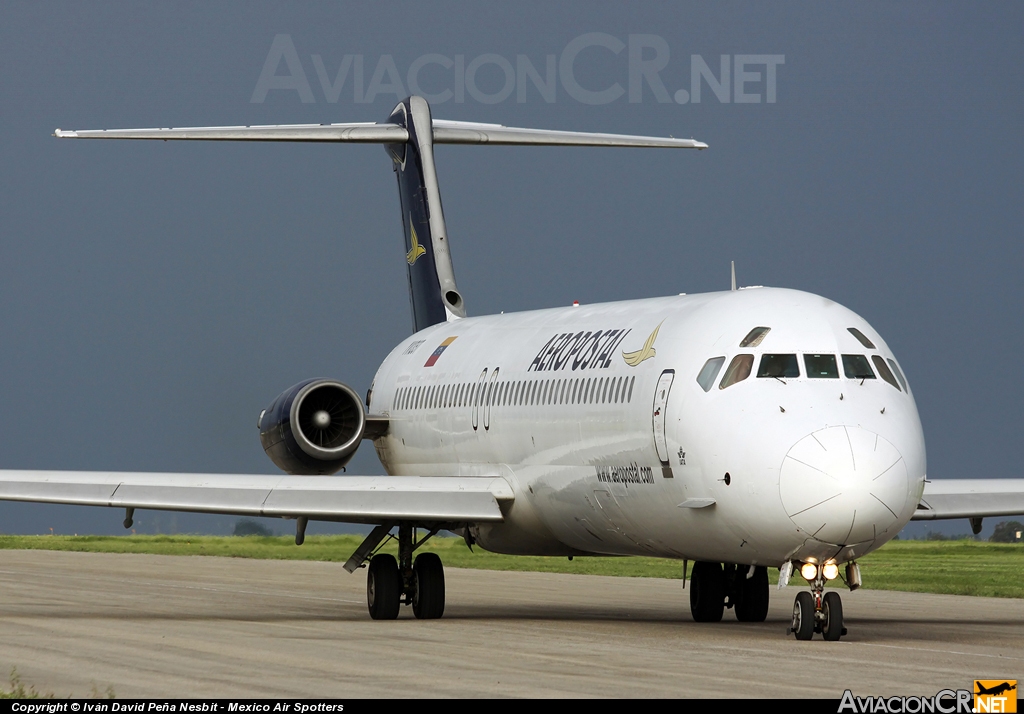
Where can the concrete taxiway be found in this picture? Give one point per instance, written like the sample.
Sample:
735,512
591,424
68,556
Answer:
163,626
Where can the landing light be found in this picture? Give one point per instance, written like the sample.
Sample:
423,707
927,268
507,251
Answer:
830,571
809,571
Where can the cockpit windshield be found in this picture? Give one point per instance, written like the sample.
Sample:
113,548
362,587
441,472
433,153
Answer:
787,366
738,370
861,338
708,373
821,366
778,366
857,367
754,337
899,375
883,371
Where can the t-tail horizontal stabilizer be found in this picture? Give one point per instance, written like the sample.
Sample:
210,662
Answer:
432,290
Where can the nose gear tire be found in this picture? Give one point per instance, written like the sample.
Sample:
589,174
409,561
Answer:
803,616
832,624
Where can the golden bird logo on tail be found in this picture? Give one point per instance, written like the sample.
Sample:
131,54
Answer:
417,250
645,352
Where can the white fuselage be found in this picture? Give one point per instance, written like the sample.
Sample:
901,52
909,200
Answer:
595,417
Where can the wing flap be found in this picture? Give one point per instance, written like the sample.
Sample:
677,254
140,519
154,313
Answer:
351,499
970,498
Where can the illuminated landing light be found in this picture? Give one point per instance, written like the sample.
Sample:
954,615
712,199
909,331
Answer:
830,571
809,571
844,485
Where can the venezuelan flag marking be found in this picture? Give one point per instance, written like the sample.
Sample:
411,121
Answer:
437,353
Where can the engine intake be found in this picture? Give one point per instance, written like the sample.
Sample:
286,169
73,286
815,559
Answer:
313,428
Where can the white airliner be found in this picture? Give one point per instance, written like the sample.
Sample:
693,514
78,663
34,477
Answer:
743,430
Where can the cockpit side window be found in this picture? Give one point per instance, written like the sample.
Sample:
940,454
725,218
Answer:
708,373
899,375
857,367
778,366
754,337
883,371
821,366
861,338
737,371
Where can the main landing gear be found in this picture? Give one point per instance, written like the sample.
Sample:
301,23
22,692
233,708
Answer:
391,583
713,588
818,611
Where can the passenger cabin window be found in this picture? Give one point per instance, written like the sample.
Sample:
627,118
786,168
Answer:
857,367
737,371
754,337
861,338
499,393
709,372
778,366
883,371
899,375
821,366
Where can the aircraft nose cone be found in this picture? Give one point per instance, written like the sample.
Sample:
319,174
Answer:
844,484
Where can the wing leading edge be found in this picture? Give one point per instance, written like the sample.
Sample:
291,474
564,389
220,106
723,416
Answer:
350,499
970,498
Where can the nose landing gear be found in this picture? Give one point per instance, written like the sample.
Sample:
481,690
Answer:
817,611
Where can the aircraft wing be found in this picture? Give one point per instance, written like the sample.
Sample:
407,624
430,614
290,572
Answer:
970,498
350,499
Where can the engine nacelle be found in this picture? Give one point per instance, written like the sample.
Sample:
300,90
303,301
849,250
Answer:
313,428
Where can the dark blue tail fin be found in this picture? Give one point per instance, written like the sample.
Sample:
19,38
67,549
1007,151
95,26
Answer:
432,290
409,136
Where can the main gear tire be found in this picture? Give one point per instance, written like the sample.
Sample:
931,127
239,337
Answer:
428,587
383,587
752,605
707,592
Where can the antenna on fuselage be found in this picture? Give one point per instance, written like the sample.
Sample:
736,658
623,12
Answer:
733,264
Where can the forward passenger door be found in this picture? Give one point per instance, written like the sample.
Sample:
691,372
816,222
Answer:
658,419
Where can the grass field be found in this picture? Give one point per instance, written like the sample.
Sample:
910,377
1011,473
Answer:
955,567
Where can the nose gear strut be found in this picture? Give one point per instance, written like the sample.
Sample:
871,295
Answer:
818,611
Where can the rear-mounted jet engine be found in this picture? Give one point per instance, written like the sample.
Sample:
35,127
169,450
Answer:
313,428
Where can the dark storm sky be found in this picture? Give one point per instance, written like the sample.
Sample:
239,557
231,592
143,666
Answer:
156,296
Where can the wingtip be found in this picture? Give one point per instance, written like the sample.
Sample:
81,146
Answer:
64,134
